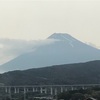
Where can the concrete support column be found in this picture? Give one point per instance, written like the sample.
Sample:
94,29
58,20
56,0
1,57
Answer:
75,88
24,90
61,89
83,88
66,89
41,91
45,90
72,88
15,90
6,89
55,91
27,90
24,93
36,89
51,91
33,89
9,90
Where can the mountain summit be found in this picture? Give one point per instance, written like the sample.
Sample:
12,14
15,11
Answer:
66,50
60,36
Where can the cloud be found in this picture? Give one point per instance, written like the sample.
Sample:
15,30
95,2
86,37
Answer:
11,48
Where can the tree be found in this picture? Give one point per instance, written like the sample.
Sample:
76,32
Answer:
78,96
96,95
64,95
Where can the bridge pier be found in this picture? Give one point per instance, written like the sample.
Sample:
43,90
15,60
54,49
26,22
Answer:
6,89
9,90
24,90
27,90
66,89
55,90
45,90
61,89
41,90
83,87
33,89
36,90
72,88
51,91
15,90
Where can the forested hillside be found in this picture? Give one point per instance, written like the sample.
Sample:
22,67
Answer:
81,73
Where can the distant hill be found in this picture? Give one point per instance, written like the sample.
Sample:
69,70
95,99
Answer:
66,50
82,73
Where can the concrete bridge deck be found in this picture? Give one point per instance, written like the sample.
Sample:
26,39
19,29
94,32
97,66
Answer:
45,89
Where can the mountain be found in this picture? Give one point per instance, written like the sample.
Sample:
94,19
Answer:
81,73
64,50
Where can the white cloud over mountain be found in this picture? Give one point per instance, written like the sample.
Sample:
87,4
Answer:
11,48
59,48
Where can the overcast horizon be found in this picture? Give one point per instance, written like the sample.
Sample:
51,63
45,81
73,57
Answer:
22,20
35,19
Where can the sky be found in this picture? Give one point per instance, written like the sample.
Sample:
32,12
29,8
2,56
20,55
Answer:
22,21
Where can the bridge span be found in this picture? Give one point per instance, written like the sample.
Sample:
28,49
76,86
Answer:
45,89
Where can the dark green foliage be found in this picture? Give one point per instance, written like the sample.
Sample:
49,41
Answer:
64,95
96,95
82,73
78,96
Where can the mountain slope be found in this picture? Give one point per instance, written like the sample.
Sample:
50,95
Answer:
65,50
82,73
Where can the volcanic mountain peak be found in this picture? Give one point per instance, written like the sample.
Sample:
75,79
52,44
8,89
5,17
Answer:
61,36
67,50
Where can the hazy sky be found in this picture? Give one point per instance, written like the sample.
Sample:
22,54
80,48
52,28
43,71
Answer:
37,19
